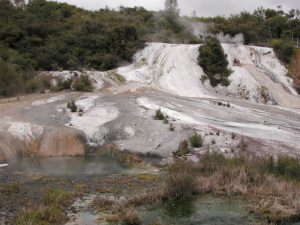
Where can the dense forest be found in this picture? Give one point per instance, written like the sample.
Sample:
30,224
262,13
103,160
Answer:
45,35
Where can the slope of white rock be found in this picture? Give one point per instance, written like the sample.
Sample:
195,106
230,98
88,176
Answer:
173,68
93,116
24,131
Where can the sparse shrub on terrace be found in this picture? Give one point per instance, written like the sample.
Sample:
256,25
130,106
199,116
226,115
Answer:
72,106
159,115
183,148
196,140
83,84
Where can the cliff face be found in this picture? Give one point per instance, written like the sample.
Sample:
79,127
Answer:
294,70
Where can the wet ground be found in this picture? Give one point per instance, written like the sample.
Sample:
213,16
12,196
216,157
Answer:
25,181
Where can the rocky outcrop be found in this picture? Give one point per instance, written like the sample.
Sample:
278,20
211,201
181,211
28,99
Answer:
26,139
61,142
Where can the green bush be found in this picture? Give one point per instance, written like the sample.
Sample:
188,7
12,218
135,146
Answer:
284,49
285,166
196,140
213,61
72,106
159,115
11,82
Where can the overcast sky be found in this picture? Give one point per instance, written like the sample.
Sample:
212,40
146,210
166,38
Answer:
202,7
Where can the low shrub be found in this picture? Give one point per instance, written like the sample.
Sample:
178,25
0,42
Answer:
72,106
159,115
196,140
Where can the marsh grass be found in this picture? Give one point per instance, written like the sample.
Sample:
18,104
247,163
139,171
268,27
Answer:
270,187
41,215
57,197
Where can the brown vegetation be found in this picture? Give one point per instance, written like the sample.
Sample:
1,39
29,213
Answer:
271,187
51,211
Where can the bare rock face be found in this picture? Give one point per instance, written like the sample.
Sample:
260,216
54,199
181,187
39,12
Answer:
26,139
61,142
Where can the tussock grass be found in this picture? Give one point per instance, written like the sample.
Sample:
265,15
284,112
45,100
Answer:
57,197
272,189
41,215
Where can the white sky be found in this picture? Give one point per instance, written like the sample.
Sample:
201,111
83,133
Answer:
202,7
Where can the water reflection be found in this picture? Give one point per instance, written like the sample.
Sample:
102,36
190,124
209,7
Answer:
85,166
204,210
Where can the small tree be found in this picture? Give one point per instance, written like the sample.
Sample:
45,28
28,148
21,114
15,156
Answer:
214,63
171,8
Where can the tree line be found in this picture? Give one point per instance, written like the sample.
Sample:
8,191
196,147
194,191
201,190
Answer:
44,35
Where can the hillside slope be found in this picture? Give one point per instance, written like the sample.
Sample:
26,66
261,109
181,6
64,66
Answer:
258,76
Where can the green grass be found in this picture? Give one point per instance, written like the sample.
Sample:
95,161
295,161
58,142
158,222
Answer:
41,216
57,197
